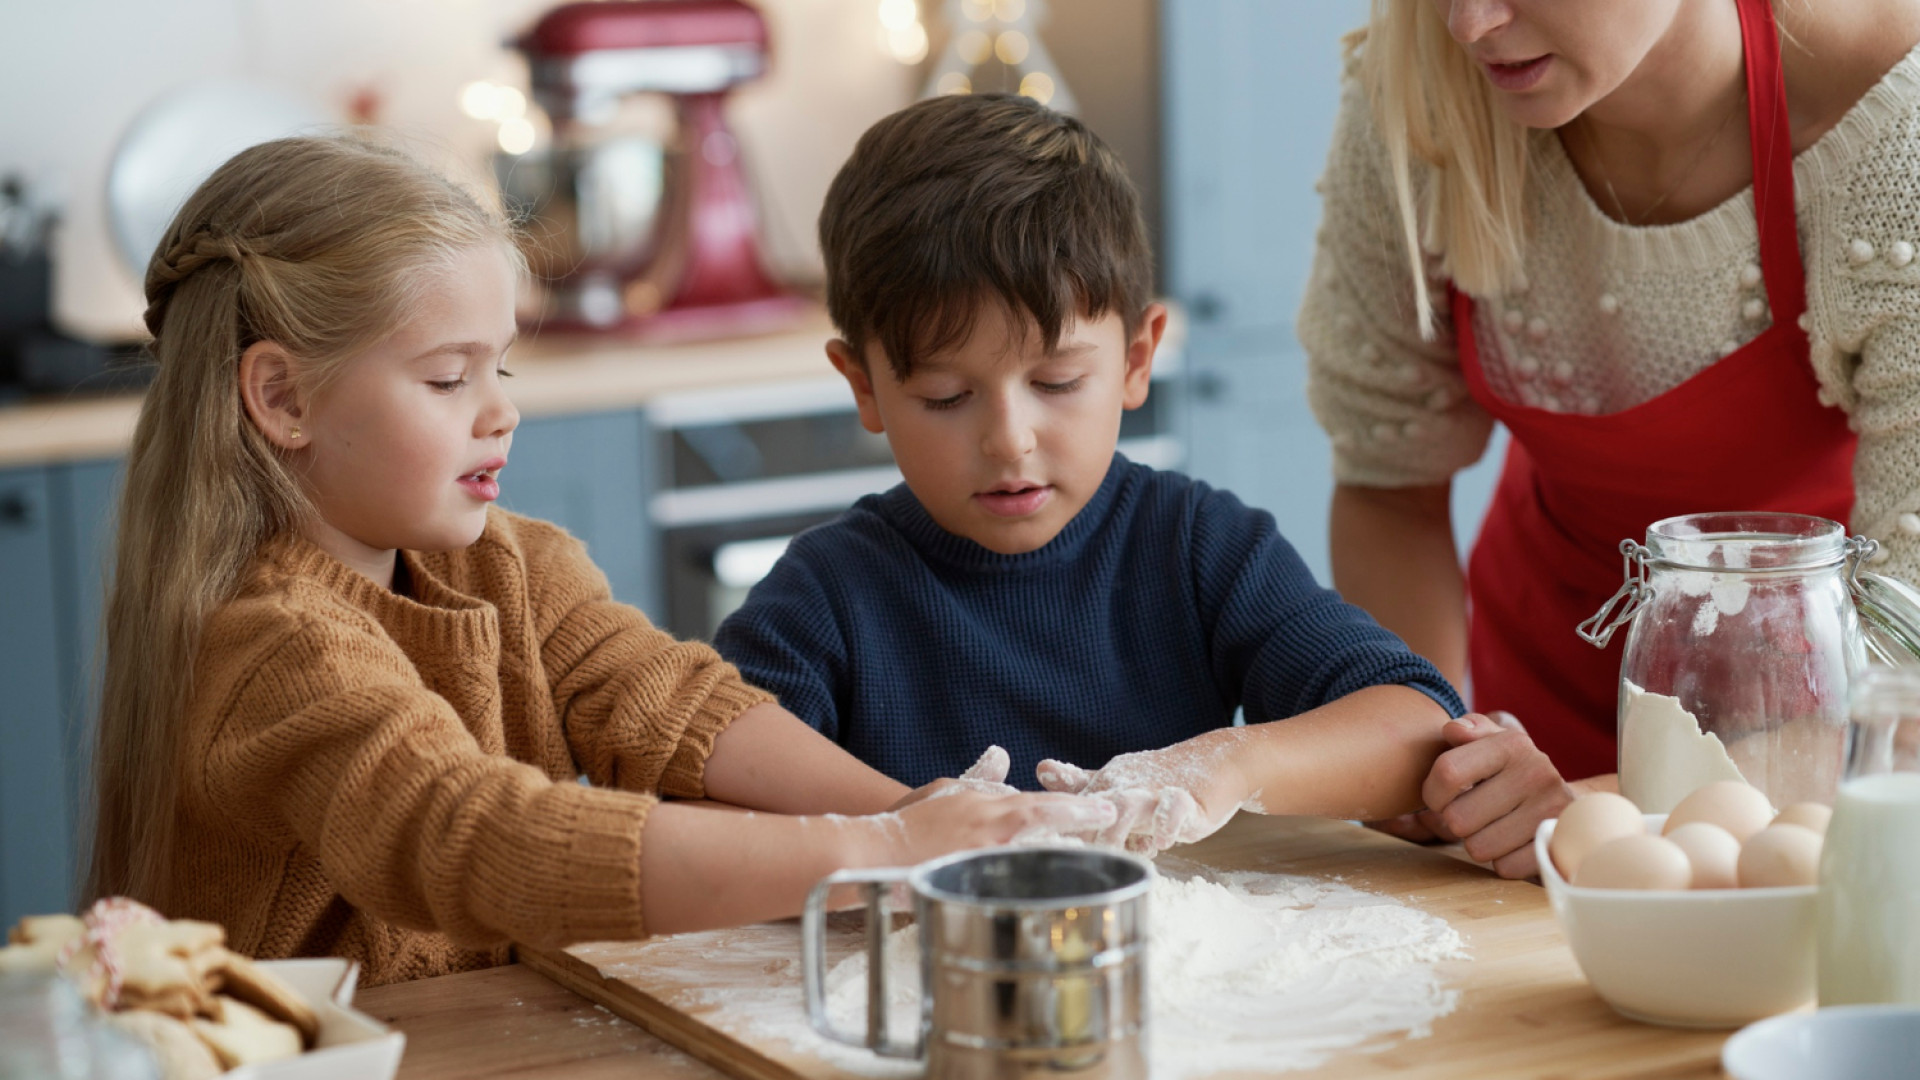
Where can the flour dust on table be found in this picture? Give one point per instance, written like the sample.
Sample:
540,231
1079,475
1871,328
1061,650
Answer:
1247,971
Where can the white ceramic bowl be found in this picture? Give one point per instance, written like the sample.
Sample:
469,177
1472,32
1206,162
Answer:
1847,1042
1698,958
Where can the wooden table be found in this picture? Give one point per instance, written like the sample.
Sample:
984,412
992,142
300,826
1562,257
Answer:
1528,1013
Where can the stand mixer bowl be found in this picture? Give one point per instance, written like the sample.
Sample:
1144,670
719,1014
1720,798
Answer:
591,215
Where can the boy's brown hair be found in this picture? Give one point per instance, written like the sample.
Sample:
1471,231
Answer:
967,199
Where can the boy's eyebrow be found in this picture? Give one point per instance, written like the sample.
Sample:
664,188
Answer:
1077,349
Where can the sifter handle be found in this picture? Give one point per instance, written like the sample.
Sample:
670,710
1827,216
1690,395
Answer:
876,884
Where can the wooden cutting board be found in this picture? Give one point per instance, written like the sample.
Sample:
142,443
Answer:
1524,1012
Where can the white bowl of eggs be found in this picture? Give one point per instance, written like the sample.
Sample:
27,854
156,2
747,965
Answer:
1699,918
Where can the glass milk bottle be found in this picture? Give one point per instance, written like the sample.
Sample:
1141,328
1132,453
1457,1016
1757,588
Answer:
1868,940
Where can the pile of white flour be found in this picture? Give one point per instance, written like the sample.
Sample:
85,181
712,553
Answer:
1246,971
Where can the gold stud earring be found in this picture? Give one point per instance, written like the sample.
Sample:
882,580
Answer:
294,434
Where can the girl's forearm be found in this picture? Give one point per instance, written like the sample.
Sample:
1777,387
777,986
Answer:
1393,555
703,868
769,759
1364,756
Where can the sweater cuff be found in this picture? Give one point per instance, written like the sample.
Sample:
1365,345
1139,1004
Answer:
579,855
686,773
1443,695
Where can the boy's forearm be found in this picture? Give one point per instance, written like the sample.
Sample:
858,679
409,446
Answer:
703,867
1364,756
769,759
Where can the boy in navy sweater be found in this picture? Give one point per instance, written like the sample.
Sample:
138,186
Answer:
1028,586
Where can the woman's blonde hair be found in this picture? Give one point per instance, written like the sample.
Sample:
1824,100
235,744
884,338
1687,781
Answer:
322,246
1431,103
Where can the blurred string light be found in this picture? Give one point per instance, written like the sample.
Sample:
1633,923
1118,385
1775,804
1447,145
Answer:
1003,32
902,35
505,106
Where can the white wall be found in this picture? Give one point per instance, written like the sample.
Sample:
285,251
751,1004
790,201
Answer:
77,71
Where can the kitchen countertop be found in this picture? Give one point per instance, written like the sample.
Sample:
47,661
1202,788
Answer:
554,375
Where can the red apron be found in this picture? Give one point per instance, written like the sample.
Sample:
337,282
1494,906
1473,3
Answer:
1747,433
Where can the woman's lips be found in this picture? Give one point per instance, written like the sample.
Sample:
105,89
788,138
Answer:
1517,77
1014,503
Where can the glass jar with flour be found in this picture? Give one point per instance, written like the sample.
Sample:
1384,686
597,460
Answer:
1743,641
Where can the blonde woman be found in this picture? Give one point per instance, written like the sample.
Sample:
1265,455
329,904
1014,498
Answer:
1670,244
347,698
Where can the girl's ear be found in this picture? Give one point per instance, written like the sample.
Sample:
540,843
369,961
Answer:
268,392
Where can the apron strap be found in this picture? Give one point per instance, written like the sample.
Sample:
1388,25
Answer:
1771,135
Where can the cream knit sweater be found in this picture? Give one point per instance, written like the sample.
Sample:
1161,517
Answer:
1613,315
393,778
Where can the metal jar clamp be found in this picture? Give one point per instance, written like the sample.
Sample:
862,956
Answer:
1636,590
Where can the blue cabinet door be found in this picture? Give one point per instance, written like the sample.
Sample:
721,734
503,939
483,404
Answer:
36,831
86,499
588,474
1249,95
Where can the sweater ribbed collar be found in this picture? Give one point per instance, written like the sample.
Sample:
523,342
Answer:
436,616
904,512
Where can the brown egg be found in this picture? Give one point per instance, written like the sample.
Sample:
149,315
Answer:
1712,852
1592,820
1813,815
1780,855
1736,807
1635,862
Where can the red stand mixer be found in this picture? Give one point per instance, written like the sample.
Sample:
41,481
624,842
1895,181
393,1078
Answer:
666,253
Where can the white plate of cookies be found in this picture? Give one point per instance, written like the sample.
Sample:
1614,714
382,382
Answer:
204,1010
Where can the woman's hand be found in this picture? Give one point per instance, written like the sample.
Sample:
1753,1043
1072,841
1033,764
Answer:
1161,797
1491,791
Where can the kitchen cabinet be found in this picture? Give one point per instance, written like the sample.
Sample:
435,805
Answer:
36,829
1249,92
588,474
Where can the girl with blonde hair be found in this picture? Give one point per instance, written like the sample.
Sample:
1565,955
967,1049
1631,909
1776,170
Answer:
347,698
1669,244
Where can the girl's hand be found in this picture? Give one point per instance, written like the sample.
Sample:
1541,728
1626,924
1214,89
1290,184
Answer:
960,818
1161,797
1492,790
987,775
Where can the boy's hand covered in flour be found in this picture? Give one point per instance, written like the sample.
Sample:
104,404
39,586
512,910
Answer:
987,775
1161,797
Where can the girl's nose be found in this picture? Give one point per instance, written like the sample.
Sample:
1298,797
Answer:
500,417
1470,20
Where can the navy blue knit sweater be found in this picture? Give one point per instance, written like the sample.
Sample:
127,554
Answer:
1160,608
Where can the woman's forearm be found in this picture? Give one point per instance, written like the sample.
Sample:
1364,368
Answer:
1364,756
1393,555
769,759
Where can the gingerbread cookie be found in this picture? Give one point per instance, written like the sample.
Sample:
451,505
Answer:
246,1036
181,1054
36,943
243,979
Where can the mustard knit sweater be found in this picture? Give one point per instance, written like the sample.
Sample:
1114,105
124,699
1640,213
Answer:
394,778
